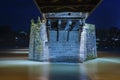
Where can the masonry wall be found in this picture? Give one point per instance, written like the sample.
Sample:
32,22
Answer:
88,43
62,46
65,48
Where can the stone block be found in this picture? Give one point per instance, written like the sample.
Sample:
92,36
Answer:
52,36
62,36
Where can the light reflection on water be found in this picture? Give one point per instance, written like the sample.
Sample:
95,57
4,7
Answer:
97,69
59,72
41,71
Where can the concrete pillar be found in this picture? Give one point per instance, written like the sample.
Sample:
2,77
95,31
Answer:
67,27
49,24
59,22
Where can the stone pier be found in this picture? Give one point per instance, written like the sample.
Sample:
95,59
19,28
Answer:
62,45
62,34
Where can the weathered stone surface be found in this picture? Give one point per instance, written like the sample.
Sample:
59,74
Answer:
67,48
88,43
64,49
38,37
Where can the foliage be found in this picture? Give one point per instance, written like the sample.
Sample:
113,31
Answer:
35,37
90,56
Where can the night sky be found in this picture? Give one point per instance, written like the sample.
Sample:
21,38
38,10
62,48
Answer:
18,13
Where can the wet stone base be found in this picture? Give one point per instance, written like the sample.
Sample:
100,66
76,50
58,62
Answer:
68,59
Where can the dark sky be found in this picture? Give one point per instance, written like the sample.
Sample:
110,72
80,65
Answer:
18,13
107,14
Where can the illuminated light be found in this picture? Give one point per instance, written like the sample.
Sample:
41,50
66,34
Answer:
97,60
83,70
116,39
15,51
16,38
97,39
13,62
114,60
45,72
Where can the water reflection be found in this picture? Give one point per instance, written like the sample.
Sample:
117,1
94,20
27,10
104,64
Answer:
39,72
57,71
97,69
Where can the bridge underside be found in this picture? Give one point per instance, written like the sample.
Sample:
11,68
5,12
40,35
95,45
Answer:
62,34
51,6
63,38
